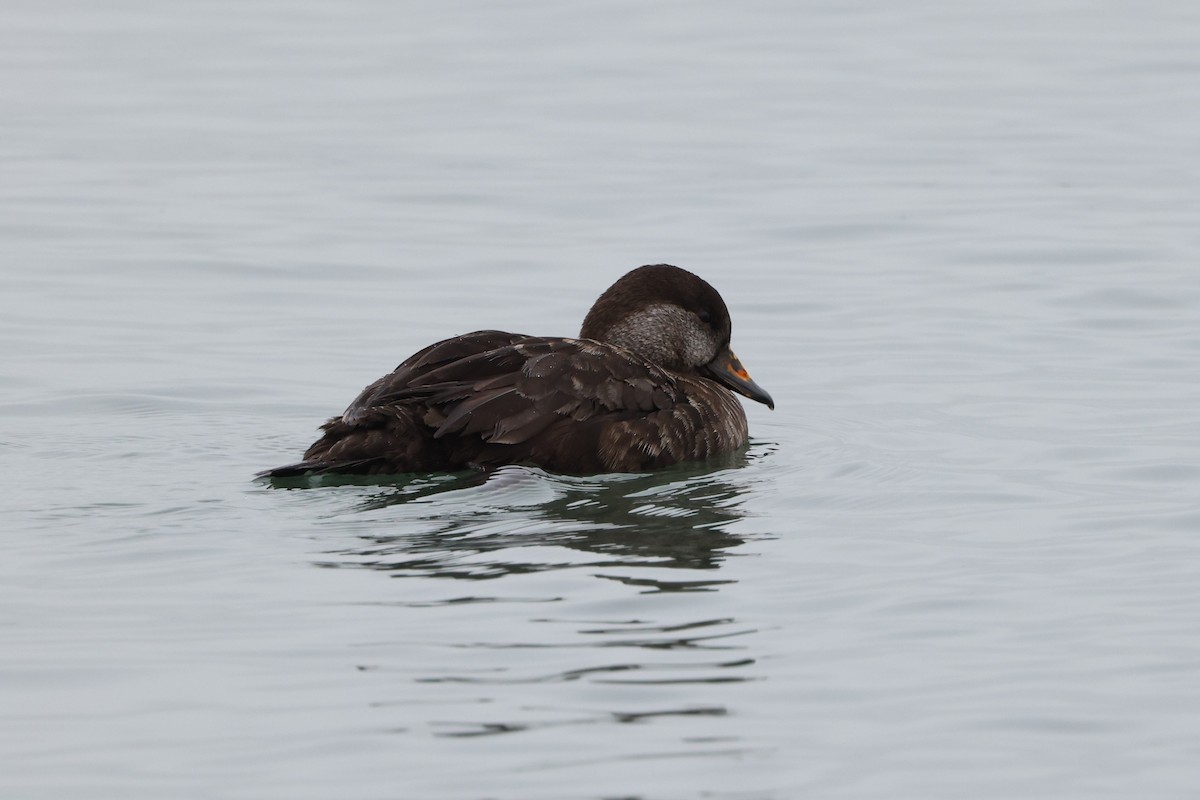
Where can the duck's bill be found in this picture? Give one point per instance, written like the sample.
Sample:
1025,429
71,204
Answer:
726,369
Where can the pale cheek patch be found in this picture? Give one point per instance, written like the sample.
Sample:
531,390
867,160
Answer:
666,335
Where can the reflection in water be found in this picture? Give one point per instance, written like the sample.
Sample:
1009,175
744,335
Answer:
461,730
487,526
533,661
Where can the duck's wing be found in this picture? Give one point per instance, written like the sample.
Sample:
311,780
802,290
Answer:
398,385
511,394
575,405
505,389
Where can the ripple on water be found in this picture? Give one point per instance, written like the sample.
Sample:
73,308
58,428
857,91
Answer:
663,534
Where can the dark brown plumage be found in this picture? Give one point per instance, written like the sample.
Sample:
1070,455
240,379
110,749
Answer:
644,386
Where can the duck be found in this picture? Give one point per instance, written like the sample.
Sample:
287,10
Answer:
649,382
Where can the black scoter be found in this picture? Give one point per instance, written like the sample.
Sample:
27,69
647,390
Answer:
647,384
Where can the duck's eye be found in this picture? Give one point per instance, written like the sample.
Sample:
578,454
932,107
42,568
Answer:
705,317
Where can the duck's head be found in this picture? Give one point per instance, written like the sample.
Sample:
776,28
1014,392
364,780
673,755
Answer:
674,319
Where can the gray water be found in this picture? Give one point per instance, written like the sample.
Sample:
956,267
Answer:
959,242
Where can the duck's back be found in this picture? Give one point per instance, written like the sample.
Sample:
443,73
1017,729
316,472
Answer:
490,398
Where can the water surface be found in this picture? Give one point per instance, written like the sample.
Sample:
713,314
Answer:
959,246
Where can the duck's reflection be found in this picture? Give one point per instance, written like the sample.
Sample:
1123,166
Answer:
650,662
520,520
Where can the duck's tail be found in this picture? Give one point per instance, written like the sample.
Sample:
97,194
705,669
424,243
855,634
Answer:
297,470
303,469
388,443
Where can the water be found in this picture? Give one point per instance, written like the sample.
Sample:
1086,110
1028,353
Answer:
959,244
